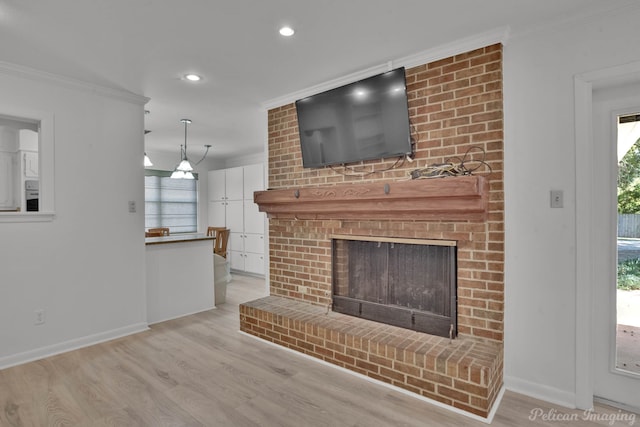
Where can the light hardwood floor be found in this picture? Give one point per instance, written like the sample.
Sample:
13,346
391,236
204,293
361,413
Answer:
200,371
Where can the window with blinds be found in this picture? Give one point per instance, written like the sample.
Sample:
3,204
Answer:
170,202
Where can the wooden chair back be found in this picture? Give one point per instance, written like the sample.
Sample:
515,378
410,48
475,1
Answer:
157,232
222,239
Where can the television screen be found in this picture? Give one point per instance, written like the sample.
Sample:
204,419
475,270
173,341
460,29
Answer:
365,120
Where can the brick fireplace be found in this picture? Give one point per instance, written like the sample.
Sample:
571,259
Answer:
455,103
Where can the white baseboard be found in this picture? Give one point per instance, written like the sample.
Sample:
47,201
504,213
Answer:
541,392
487,420
613,403
74,344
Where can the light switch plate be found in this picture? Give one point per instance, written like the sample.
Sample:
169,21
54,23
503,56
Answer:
557,199
132,206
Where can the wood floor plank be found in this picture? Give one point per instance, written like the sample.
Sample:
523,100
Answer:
200,371
208,409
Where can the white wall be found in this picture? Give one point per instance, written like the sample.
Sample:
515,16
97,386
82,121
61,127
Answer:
540,155
245,160
257,157
85,268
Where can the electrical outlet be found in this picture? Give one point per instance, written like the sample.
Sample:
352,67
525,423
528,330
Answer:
132,206
39,318
302,289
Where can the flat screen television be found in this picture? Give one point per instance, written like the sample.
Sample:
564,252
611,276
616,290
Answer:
365,120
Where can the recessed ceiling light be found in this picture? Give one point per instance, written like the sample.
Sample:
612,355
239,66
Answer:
286,31
192,77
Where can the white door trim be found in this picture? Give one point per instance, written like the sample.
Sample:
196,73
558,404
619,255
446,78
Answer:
583,103
584,198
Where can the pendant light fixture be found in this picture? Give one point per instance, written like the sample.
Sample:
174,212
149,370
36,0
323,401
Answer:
147,161
184,168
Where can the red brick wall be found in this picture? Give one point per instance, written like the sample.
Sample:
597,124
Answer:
454,104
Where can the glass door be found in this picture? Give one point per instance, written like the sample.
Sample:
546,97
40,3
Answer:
627,334
616,249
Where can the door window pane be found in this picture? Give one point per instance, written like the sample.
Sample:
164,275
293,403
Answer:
628,281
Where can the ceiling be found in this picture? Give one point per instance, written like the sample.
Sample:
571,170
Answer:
147,46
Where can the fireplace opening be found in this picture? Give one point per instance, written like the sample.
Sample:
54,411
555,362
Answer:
405,283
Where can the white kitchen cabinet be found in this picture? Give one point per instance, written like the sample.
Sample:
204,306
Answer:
217,213
247,242
236,249
237,260
234,183
254,263
235,216
253,218
216,185
30,164
217,198
236,240
7,181
231,205
253,180
254,253
247,262
248,252
254,243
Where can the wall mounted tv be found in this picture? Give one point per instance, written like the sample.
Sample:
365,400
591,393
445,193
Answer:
365,120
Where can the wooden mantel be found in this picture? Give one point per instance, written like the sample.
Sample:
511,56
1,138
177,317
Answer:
450,198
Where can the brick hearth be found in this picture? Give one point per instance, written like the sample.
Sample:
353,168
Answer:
464,373
454,104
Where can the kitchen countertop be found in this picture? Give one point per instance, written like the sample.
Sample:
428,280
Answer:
176,238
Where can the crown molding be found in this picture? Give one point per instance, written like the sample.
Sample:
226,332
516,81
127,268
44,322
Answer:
22,71
467,44
498,35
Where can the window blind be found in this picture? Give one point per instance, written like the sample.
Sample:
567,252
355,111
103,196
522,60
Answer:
170,202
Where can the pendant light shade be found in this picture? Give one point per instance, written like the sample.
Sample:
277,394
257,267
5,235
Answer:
176,174
184,165
184,168
147,161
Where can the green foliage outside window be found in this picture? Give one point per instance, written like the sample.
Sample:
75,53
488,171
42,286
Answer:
629,181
